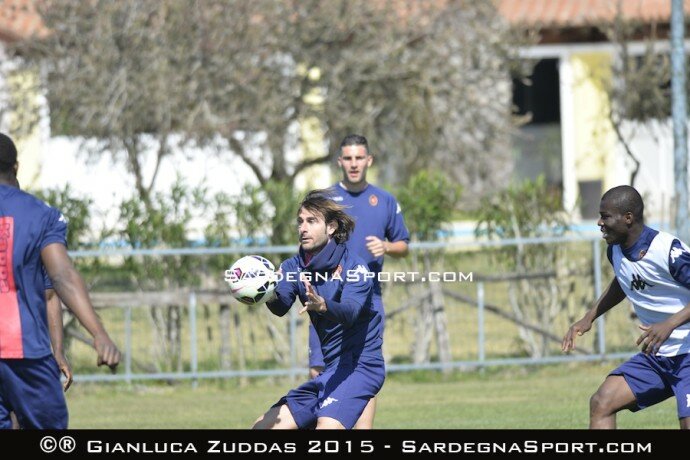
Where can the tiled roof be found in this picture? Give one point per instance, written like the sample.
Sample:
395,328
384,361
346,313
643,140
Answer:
577,13
19,19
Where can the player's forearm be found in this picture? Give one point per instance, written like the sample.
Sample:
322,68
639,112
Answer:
395,248
345,312
680,318
72,290
612,296
281,300
55,328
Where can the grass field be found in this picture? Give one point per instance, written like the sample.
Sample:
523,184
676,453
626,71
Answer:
546,397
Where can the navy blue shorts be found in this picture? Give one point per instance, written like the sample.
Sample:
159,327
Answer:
653,379
315,352
340,392
32,389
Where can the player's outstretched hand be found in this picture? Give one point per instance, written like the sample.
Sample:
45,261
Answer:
108,353
653,336
577,329
314,301
65,368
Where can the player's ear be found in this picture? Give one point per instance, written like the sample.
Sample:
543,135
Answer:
370,160
331,228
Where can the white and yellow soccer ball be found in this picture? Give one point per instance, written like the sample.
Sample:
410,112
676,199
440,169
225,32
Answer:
252,279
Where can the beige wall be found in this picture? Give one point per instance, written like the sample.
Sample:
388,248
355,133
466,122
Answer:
594,136
29,144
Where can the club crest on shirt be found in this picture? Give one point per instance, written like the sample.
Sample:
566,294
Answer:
373,200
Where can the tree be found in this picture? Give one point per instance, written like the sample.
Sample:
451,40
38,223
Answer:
399,72
112,75
427,82
429,199
640,92
531,209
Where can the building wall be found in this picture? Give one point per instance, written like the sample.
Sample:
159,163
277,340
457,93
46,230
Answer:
652,144
18,90
594,137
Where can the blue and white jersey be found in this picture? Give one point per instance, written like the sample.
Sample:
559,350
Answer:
376,213
654,273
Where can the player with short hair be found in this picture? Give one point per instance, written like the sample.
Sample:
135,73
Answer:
349,327
55,326
55,329
33,236
652,269
380,230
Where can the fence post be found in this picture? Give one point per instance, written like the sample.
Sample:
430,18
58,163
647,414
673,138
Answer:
192,339
480,322
601,329
128,344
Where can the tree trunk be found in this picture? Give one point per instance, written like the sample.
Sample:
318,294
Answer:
160,346
423,331
440,325
174,329
438,316
225,346
278,341
242,360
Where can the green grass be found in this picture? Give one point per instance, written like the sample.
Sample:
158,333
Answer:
547,397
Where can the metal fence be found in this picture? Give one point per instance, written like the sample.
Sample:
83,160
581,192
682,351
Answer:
199,332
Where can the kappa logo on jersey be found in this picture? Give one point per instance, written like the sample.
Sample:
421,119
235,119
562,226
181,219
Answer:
398,210
328,401
62,218
675,253
360,269
638,283
688,396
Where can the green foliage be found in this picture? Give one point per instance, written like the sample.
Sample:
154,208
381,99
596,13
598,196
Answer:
528,210
284,200
524,210
251,213
76,210
232,219
428,200
163,224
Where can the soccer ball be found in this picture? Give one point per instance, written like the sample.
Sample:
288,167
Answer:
252,279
